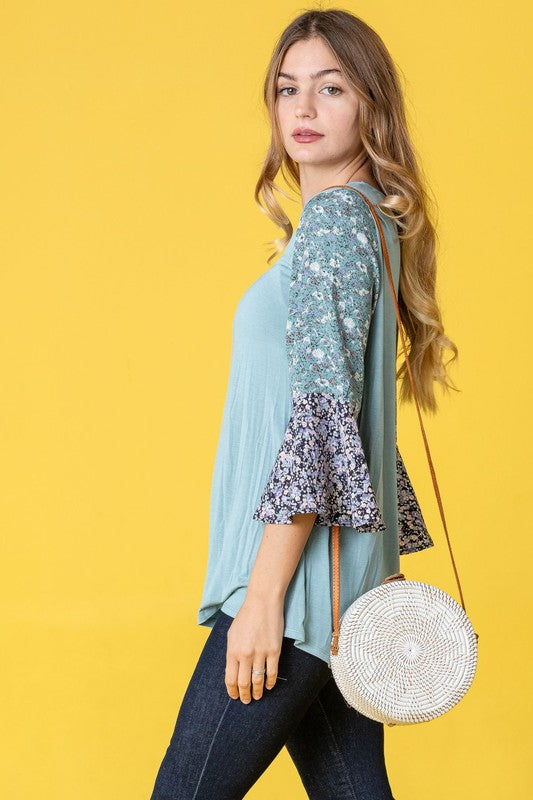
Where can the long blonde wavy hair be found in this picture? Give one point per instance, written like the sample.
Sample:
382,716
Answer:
369,68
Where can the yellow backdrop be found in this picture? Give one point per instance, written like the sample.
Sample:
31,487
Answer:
132,137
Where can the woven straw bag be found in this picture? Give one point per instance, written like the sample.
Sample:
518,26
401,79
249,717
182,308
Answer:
405,651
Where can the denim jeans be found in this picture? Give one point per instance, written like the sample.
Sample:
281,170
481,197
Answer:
220,746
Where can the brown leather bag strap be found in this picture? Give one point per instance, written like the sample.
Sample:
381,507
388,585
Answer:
335,528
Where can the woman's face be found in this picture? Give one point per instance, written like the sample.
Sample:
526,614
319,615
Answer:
326,104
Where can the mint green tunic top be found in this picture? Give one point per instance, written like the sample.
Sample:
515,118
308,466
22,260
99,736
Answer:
309,422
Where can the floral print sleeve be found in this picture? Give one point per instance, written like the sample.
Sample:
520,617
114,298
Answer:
335,282
412,531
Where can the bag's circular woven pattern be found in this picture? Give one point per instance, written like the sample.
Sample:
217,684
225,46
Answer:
407,653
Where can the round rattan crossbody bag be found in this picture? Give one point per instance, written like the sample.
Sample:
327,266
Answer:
405,651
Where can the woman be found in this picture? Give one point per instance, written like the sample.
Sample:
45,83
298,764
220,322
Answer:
308,436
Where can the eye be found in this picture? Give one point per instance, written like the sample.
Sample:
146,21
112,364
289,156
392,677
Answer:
290,88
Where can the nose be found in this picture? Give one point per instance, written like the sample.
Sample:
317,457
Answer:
304,106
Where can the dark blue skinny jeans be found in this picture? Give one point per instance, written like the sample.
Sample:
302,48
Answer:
220,746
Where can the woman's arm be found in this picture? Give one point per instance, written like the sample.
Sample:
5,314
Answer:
320,475
258,626
278,556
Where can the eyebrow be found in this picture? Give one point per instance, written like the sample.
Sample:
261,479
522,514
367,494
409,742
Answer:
313,77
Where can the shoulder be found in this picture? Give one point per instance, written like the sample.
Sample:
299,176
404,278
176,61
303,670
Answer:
339,212
337,201
338,240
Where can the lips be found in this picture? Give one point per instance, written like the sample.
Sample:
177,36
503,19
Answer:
305,132
307,137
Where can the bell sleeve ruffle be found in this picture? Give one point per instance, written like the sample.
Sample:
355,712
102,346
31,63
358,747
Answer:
320,466
412,530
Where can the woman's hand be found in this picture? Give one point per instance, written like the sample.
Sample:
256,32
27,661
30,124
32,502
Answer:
254,641
256,634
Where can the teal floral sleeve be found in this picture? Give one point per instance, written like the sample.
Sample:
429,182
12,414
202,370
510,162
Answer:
320,466
335,283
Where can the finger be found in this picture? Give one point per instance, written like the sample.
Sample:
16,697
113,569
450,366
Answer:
271,670
243,680
258,680
230,676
